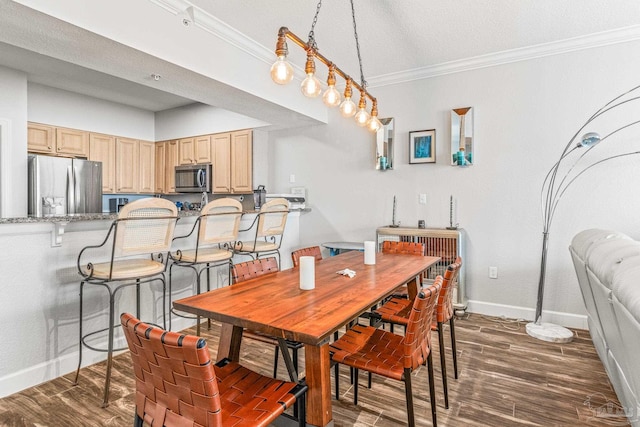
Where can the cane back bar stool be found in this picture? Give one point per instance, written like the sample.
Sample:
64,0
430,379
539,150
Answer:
139,250
390,355
178,385
250,270
397,311
216,230
269,228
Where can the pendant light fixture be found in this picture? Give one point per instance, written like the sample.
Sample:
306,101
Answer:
282,73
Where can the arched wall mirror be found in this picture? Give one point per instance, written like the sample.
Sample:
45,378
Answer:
462,136
384,145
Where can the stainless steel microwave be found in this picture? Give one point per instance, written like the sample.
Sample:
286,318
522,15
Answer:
194,178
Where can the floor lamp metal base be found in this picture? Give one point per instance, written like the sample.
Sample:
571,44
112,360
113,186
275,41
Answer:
549,332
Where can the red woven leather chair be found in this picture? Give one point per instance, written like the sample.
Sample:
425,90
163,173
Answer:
250,270
313,251
178,385
390,355
404,248
397,310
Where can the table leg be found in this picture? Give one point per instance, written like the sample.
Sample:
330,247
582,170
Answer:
229,344
318,378
413,287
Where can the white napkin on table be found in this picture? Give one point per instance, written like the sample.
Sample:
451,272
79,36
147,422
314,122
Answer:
347,272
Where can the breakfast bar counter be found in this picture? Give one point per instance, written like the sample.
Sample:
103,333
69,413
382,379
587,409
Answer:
39,289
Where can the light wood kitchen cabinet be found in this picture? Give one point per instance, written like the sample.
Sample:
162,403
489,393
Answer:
221,143
127,165
171,161
72,142
102,148
187,151
135,166
233,162
202,146
40,138
56,140
161,148
195,150
242,161
146,156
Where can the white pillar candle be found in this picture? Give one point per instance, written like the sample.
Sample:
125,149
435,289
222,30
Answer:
307,273
369,252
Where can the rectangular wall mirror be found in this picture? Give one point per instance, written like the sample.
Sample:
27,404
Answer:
462,136
384,145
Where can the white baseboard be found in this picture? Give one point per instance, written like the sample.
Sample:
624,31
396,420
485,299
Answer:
68,363
569,320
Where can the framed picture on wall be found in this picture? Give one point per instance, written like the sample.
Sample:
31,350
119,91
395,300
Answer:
422,146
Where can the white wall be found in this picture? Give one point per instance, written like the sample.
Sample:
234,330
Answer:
200,119
13,114
62,108
525,113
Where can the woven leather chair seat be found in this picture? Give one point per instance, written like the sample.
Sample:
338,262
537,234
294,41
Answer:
377,351
126,269
178,385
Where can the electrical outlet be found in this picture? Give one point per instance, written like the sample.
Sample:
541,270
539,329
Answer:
292,178
422,199
493,272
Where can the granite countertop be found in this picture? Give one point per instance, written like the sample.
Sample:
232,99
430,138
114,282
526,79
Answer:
98,217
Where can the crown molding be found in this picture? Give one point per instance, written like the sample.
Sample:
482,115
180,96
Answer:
216,27
590,41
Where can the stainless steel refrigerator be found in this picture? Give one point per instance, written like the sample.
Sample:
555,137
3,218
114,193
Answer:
62,186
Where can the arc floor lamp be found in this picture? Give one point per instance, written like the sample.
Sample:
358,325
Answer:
574,161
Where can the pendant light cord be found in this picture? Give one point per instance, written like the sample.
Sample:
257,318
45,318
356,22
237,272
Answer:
312,40
363,82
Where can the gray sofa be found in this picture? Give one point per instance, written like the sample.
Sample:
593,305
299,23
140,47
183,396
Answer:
607,264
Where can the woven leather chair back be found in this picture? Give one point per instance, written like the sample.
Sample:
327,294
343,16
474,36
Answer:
273,218
417,343
219,221
444,309
145,226
255,268
176,383
313,251
407,248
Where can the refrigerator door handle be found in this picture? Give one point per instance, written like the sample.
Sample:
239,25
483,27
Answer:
71,195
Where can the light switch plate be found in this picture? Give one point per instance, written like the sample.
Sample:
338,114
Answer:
422,199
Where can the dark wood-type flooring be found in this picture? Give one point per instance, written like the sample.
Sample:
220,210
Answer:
506,379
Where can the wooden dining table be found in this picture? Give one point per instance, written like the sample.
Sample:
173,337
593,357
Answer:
275,305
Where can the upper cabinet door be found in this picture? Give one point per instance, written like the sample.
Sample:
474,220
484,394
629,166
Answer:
187,151
40,138
102,148
161,149
221,144
171,161
203,149
241,162
127,165
72,142
147,155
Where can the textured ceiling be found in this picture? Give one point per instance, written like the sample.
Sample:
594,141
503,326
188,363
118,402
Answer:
396,36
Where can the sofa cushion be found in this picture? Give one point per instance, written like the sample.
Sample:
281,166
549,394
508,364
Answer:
626,286
585,239
605,256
